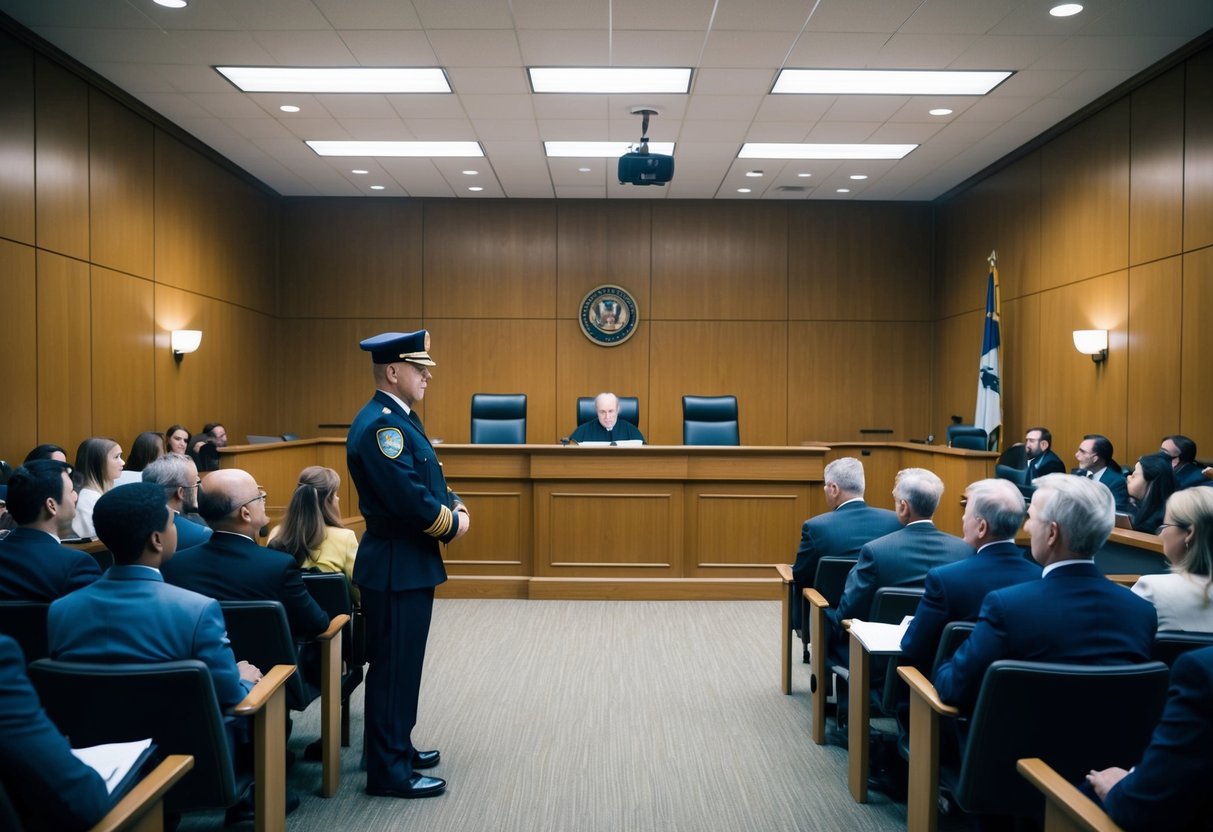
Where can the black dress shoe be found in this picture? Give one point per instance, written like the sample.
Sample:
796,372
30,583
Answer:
314,752
425,759
418,786
242,811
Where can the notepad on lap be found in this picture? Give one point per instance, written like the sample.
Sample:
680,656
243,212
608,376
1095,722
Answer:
118,763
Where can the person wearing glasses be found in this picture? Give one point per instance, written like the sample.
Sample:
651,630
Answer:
1184,596
231,566
1182,452
1095,462
178,476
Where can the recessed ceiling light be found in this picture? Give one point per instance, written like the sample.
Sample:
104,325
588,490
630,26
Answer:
336,79
603,150
887,82
289,108
940,111
618,80
775,150
171,4
475,188
753,173
744,190
804,175
360,172
469,172
376,187
859,176
584,170
446,149
844,190
1066,10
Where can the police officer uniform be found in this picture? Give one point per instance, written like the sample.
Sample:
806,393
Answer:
409,510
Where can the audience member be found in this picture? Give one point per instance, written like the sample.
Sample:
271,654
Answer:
1182,452
231,566
1095,462
33,564
1184,597
994,513
1149,486
178,476
218,432
311,531
901,558
204,452
1038,448
608,427
841,531
1167,789
99,463
176,440
49,787
46,451
1073,614
147,447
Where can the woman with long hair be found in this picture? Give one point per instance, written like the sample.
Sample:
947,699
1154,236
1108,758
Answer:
1150,484
176,440
146,449
311,529
1184,596
99,464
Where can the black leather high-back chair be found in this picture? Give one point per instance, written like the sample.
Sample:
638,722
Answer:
831,577
25,623
969,437
172,702
710,420
261,636
1169,645
331,591
1015,456
499,419
1018,476
629,409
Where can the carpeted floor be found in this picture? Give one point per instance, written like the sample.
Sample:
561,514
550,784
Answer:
596,716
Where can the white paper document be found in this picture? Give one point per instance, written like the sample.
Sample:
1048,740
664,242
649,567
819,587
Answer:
114,761
880,638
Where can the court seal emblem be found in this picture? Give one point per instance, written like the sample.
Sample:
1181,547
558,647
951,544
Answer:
609,315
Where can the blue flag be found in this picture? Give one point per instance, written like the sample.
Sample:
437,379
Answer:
989,376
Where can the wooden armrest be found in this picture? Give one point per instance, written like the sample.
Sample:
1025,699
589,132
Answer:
335,627
815,598
262,692
785,572
1123,580
146,794
1080,810
920,687
845,624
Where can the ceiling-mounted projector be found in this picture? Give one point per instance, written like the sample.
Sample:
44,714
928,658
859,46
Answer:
640,167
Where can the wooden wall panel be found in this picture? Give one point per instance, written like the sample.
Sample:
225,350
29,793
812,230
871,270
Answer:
65,388
61,111
330,244
1155,290
602,242
1083,397
1156,169
1024,378
16,141
746,359
123,338
584,368
1198,153
954,374
490,259
121,163
19,367
1196,368
847,375
720,261
1085,198
492,356
859,261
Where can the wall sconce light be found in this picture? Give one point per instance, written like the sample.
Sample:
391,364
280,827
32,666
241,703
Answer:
185,340
1092,342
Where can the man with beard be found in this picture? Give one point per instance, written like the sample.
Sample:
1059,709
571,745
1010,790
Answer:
1038,448
178,476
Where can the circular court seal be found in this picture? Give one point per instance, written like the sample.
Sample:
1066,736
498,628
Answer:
608,315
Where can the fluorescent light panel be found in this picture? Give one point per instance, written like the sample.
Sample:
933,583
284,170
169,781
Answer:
430,149
887,82
764,150
624,79
601,150
336,79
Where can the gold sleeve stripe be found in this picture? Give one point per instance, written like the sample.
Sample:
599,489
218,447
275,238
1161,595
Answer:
442,524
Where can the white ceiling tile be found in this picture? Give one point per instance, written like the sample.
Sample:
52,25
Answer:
389,47
369,14
835,50
442,130
464,14
581,191
134,78
803,108
321,129
841,131
571,106
260,128
495,80
921,51
573,130
1033,83
1124,52
173,106
1092,84
498,106
723,107
864,107
905,133
918,108
862,15
417,176
672,15
768,15
995,108
288,150
634,48
39,14
713,131
777,131
733,81
191,77
1005,52
1178,18
318,48
564,48
961,17
559,14
356,105
475,47
272,14
427,106
506,130
747,49
378,129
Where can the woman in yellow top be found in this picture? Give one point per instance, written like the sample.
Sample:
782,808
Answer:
311,529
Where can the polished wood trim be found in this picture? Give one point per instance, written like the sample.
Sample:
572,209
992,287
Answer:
1156,169
330,704
19,371
121,188
820,677
922,805
785,626
1066,808
17,148
859,718
61,160
142,808
654,589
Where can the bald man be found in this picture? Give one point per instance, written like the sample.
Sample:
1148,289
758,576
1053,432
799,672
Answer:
608,427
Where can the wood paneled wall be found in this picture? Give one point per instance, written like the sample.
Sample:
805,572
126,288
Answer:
788,306
113,233
1108,226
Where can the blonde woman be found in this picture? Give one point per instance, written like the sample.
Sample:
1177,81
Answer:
1184,597
311,529
99,463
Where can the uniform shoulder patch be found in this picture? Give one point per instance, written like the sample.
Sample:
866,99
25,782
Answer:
391,442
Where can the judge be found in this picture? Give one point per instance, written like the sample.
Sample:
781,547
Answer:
607,427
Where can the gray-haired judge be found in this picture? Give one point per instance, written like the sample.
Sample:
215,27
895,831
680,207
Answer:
607,427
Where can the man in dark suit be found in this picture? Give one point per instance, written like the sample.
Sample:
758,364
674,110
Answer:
902,558
34,566
1038,448
232,567
1169,788
994,512
178,476
840,532
409,511
1073,614
1095,462
1182,452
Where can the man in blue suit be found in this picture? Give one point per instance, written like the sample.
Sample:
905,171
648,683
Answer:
842,531
994,513
1038,449
1182,452
178,476
1095,462
409,511
34,566
1169,788
1073,614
